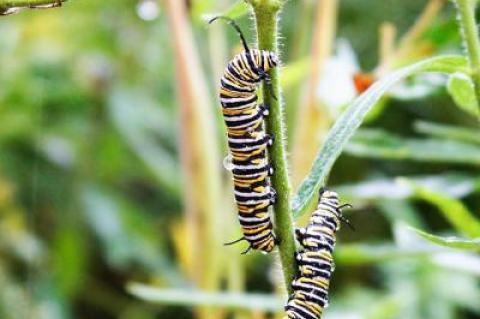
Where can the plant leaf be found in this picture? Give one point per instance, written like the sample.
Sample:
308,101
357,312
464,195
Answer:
461,89
452,242
465,134
375,143
190,297
361,254
353,117
452,209
235,11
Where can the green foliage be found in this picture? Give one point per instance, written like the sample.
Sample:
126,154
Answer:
462,90
92,199
351,119
451,242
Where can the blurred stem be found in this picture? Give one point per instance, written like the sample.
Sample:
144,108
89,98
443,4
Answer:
408,44
199,152
266,17
468,27
313,120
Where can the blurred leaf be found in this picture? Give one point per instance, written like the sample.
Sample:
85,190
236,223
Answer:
453,184
376,143
262,302
238,10
418,87
451,242
127,236
362,254
452,209
143,124
69,254
400,211
345,127
460,87
469,135
235,11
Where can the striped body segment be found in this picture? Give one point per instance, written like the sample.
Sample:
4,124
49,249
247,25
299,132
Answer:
315,261
248,143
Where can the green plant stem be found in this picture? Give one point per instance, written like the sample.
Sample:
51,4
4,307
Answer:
468,26
5,4
266,12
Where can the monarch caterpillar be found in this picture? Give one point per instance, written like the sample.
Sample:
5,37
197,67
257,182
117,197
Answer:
248,141
315,261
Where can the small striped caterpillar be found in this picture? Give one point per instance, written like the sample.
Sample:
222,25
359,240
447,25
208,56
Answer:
248,141
315,261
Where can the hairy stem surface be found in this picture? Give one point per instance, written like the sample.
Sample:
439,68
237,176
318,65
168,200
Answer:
266,13
468,26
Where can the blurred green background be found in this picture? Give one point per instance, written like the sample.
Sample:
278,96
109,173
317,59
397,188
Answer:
113,199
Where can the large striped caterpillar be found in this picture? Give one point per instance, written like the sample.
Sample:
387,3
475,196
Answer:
248,141
315,261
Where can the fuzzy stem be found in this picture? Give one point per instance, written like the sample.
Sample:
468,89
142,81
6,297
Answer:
266,12
468,26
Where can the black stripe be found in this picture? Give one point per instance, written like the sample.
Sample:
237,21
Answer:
229,87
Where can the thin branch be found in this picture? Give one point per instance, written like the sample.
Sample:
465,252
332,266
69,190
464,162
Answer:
11,4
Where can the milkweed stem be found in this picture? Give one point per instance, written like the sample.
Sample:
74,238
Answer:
468,28
266,16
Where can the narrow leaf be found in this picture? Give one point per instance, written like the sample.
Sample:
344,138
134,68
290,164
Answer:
190,297
469,135
353,117
452,209
452,242
235,11
362,254
374,143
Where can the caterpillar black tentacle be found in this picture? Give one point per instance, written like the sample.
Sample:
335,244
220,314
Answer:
248,141
315,261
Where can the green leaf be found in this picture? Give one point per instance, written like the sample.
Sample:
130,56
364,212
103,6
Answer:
127,235
190,297
69,259
362,254
461,89
375,143
353,117
452,209
235,11
469,135
453,184
451,242
142,124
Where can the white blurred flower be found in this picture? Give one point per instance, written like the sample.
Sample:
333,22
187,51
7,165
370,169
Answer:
336,87
148,10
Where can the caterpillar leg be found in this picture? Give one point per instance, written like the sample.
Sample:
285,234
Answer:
273,196
271,170
300,234
268,81
264,108
271,139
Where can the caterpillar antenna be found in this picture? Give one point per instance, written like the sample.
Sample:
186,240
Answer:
234,242
236,27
